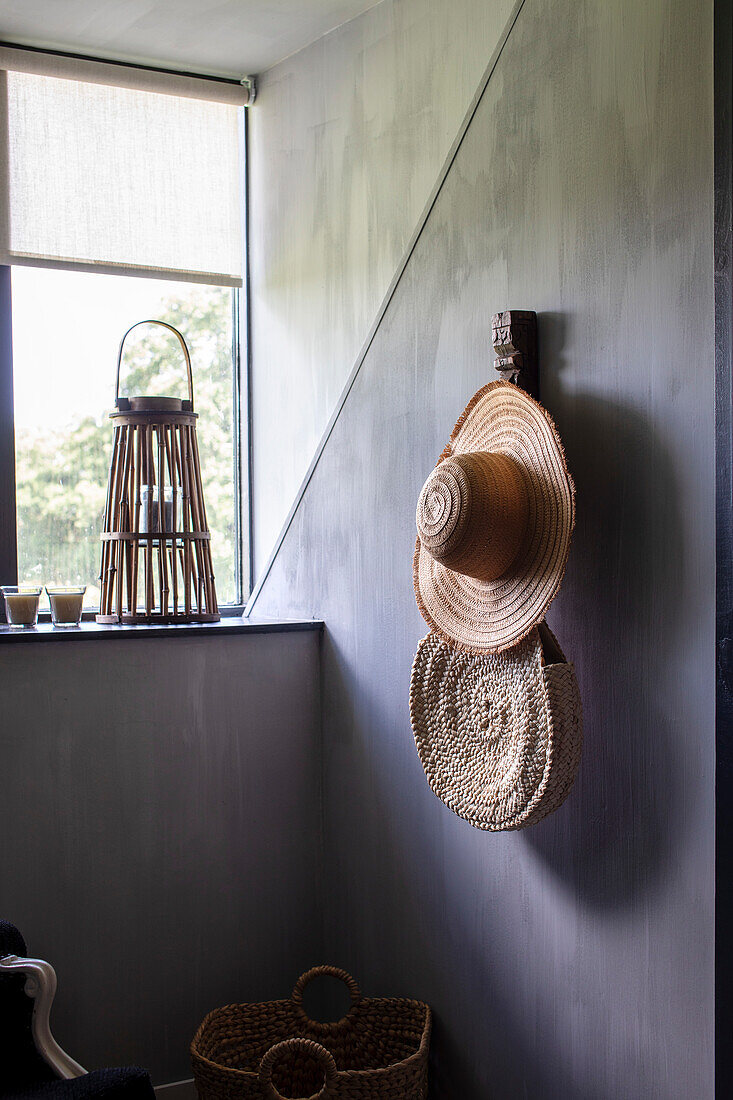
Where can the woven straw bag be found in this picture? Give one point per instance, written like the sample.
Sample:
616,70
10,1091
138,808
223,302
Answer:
499,735
273,1050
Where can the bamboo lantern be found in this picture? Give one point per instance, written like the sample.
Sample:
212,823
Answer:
156,545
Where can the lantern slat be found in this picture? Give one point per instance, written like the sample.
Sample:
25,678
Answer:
106,548
149,524
132,609
195,516
112,570
170,453
162,509
127,525
200,522
122,524
129,497
204,526
186,513
106,524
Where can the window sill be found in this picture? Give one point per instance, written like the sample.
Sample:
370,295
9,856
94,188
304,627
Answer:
47,632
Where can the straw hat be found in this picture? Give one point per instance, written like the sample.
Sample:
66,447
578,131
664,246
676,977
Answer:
499,736
494,522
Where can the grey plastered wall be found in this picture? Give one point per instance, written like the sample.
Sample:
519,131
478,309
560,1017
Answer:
573,960
357,127
159,823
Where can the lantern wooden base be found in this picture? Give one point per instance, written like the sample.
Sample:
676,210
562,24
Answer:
155,620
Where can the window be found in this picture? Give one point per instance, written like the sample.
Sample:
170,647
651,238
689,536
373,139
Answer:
123,204
64,379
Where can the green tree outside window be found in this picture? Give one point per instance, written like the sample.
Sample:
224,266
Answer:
61,476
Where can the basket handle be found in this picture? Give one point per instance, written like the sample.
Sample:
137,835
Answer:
321,971
182,342
307,1046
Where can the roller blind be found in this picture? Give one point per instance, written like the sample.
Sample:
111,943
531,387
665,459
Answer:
122,180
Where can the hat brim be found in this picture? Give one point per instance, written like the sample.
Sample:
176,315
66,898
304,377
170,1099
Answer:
491,616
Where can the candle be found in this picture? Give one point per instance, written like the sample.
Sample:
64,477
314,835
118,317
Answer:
66,605
150,509
21,605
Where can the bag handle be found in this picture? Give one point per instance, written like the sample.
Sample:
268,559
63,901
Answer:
306,1046
182,342
325,971
552,653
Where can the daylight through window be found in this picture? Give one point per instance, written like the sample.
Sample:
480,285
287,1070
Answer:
123,204
64,383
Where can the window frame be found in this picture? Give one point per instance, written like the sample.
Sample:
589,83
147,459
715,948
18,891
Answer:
241,381
8,515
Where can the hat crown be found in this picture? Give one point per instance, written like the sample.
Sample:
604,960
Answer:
472,513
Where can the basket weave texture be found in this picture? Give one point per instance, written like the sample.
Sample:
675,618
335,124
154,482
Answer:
273,1050
499,736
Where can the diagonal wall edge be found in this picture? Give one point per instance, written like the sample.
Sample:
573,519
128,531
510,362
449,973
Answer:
422,221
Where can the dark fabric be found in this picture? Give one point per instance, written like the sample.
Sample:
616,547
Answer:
24,1075
127,1083
11,941
20,1062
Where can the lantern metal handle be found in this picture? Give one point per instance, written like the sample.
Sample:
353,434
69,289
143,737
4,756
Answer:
163,324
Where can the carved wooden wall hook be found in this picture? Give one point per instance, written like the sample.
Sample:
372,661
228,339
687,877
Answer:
514,336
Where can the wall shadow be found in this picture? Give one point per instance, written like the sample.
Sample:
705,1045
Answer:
614,835
410,905
395,928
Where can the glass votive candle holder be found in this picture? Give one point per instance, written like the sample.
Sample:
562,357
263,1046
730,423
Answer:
21,604
150,509
66,605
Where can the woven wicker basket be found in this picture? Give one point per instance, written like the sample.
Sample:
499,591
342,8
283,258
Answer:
273,1050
